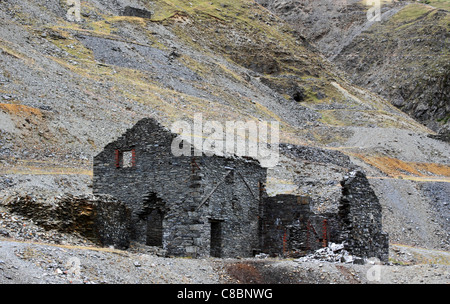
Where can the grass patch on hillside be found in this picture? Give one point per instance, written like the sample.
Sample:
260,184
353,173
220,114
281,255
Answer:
44,167
442,4
411,12
10,49
397,168
46,171
218,9
16,109
235,29
74,47
408,56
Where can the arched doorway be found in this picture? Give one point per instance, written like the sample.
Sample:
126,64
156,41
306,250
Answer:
152,220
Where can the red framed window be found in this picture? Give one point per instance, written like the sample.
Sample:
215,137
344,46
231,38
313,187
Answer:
125,159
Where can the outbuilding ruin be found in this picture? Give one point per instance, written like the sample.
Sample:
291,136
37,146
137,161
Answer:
218,206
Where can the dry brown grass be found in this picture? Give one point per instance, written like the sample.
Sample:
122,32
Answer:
16,109
245,273
397,168
46,171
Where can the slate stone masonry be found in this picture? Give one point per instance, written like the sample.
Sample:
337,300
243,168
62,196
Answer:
290,228
217,206
102,219
360,217
207,204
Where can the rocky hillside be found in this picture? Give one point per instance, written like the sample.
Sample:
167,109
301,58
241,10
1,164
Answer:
406,60
69,88
329,25
404,57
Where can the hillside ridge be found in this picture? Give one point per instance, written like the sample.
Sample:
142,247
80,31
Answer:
67,89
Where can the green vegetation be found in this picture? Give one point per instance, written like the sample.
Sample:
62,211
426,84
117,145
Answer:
410,13
443,4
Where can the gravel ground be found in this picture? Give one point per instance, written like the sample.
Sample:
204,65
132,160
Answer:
40,263
35,263
402,144
80,115
29,254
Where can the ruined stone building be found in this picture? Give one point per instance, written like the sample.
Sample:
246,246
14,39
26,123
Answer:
217,206
195,206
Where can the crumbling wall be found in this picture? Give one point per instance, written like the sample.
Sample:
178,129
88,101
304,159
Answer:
360,216
112,223
290,228
101,219
352,211
203,206
284,224
136,12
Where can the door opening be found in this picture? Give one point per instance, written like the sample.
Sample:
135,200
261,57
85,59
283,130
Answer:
155,228
151,218
216,239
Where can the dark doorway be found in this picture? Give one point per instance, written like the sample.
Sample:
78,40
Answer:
155,228
216,239
151,218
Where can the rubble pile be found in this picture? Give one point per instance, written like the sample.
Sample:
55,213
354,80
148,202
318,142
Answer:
332,253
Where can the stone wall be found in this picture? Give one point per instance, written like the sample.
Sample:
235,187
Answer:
285,222
360,216
136,12
201,200
341,194
217,206
101,219
290,228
